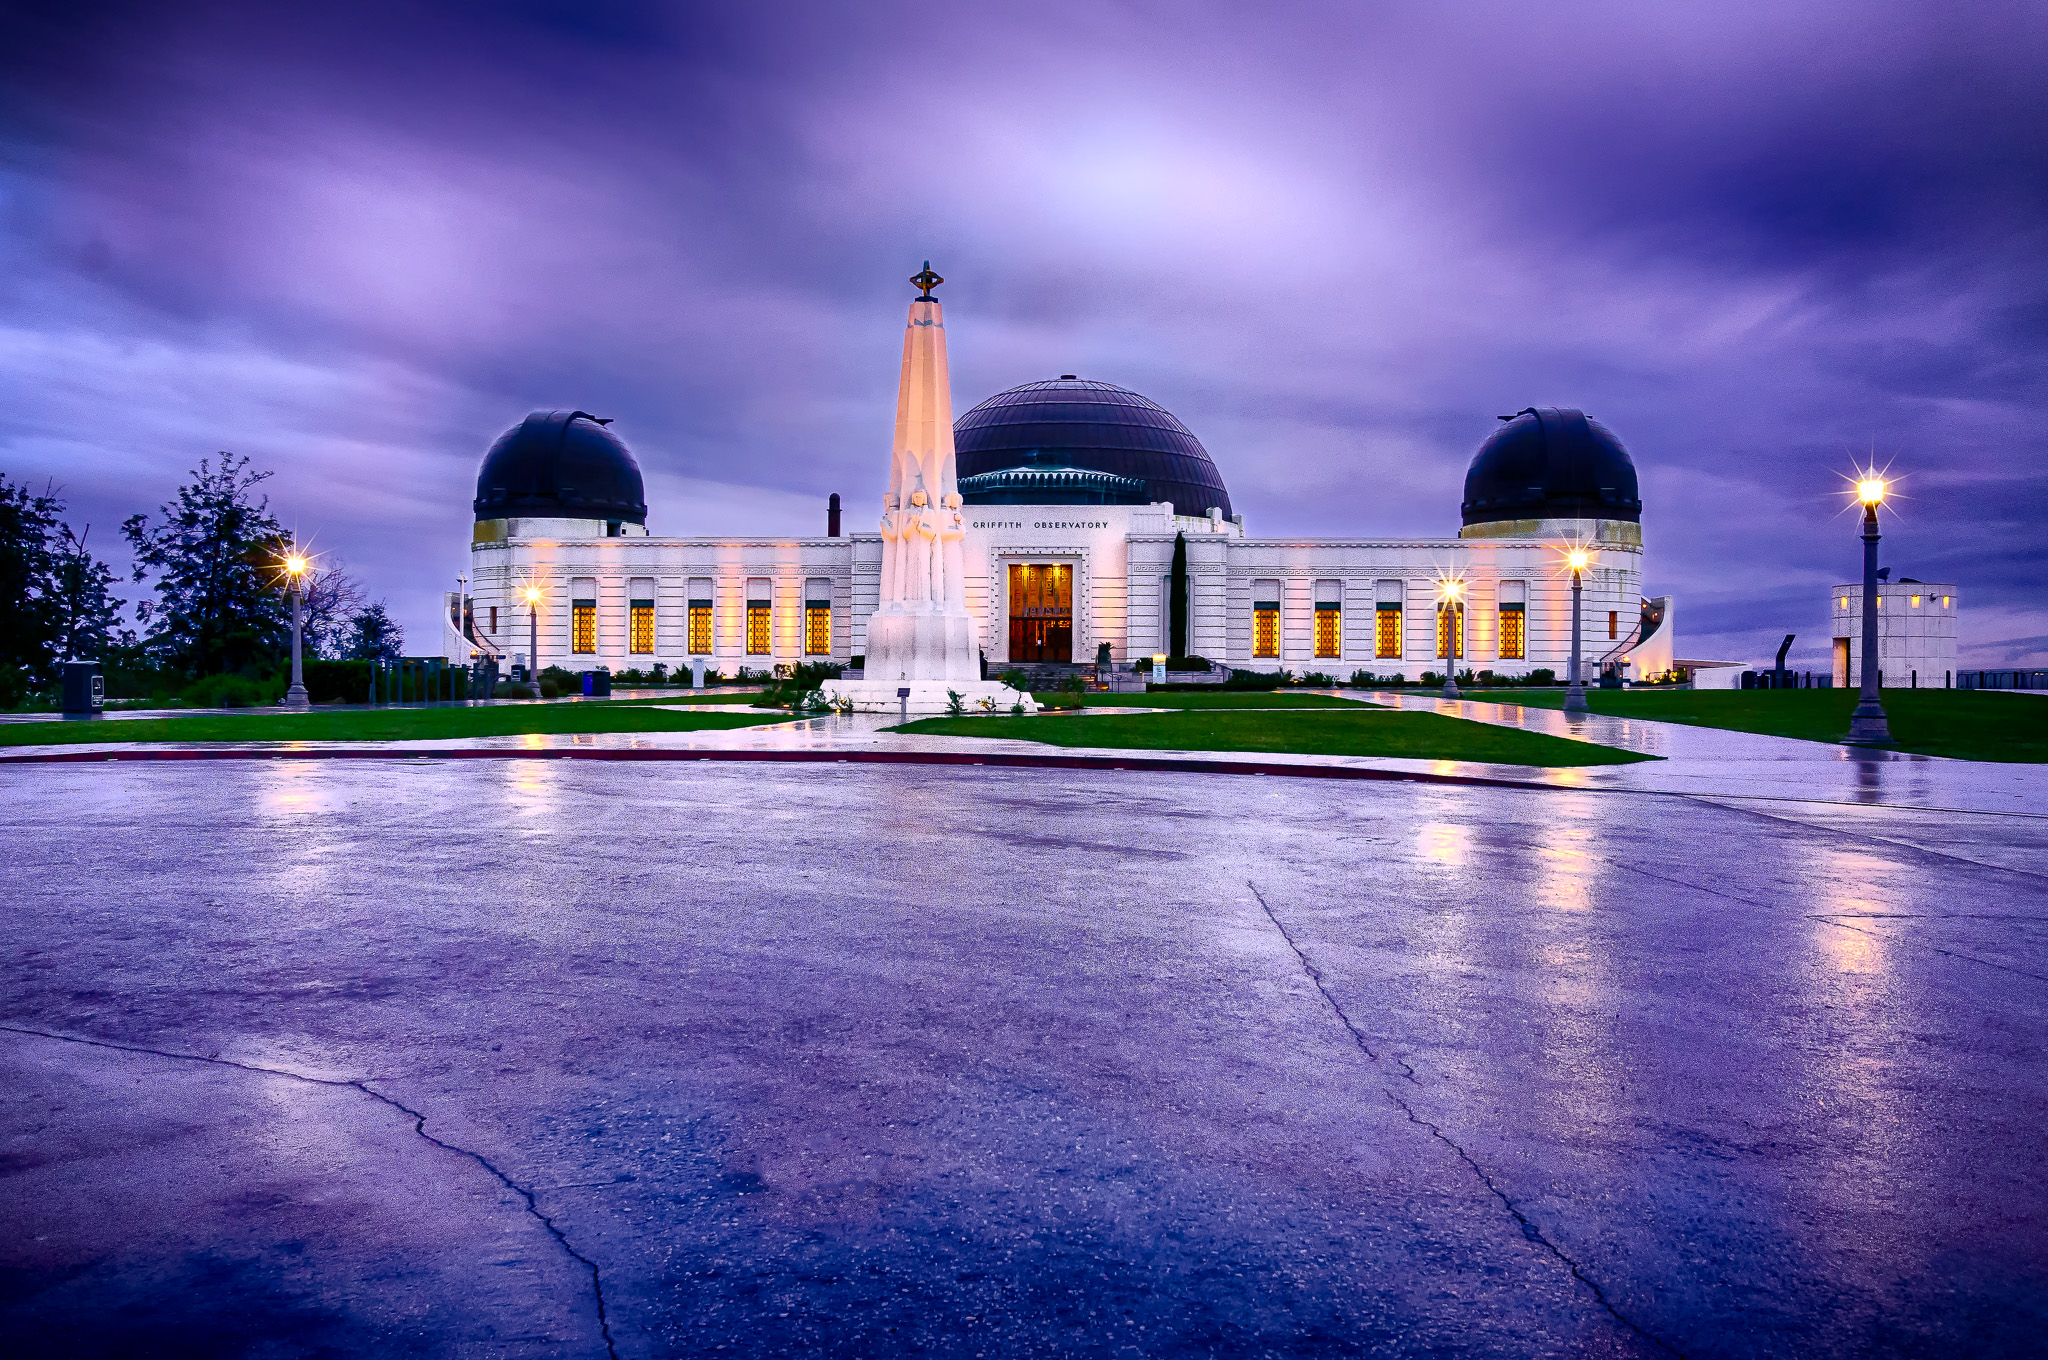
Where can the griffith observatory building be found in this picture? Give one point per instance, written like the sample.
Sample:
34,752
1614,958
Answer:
1071,493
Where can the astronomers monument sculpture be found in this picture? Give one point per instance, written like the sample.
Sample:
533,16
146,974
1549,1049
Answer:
921,637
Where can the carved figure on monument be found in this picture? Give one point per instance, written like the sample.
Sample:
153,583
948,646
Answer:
892,556
918,536
953,553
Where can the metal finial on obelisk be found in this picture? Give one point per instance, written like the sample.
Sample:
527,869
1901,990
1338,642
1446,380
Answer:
926,280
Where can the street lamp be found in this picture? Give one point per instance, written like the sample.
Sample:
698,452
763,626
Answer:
1448,593
1868,725
467,648
533,640
1575,692
295,565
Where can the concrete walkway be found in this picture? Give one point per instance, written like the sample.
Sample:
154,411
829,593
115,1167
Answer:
548,1058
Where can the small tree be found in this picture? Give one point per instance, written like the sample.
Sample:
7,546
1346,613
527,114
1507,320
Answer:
372,636
215,558
28,616
331,602
88,616
1177,599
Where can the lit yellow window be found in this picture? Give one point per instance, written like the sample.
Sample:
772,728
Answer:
818,627
1329,630
700,628
1386,632
1843,602
759,615
1266,628
1916,601
1944,605
642,630
1513,639
1448,632
583,626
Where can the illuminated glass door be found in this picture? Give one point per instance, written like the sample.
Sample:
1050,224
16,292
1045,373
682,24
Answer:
1041,611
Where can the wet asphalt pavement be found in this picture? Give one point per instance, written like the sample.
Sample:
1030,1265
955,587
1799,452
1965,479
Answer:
536,1058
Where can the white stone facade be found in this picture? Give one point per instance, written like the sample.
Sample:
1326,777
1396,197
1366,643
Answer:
1120,557
1916,634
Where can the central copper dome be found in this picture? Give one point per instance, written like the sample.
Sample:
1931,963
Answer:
1070,424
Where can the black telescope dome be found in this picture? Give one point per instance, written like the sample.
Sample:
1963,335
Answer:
1074,425
1551,462
561,465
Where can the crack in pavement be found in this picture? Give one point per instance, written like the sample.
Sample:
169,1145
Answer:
419,1127
1950,953
1836,919
1529,1230
1854,833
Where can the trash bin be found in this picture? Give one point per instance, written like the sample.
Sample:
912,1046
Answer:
85,690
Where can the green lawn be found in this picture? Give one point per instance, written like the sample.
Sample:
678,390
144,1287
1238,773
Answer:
691,696
381,724
1369,732
1223,699
1966,724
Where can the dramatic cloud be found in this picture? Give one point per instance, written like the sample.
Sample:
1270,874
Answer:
1760,242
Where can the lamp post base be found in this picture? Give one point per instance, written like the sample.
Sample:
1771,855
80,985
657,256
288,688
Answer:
295,697
1575,700
1450,687
1868,726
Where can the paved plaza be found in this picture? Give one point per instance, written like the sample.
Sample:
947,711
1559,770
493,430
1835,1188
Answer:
540,1057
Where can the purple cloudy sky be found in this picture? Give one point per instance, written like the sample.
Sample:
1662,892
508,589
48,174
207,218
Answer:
356,242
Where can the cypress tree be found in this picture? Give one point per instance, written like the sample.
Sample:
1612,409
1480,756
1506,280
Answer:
1177,599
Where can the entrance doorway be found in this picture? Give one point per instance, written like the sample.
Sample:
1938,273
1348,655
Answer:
1841,663
1041,611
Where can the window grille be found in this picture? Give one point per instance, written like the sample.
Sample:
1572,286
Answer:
1266,628
1514,638
818,627
641,626
1450,632
1387,630
583,626
1329,630
760,617
700,628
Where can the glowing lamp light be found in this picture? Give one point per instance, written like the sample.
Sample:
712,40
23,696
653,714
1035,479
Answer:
1577,559
1450,589
532,594
295,564
1870,490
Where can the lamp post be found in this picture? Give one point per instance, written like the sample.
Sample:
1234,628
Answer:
533,640
468,654
1575,692
294,571
1868,725
1447,594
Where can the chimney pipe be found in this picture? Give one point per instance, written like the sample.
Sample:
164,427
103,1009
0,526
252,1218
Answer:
832,516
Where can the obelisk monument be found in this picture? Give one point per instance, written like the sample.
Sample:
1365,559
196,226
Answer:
921,637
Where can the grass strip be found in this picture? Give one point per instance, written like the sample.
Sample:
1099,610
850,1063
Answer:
382,724
1224,699
1960,723
1379,732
